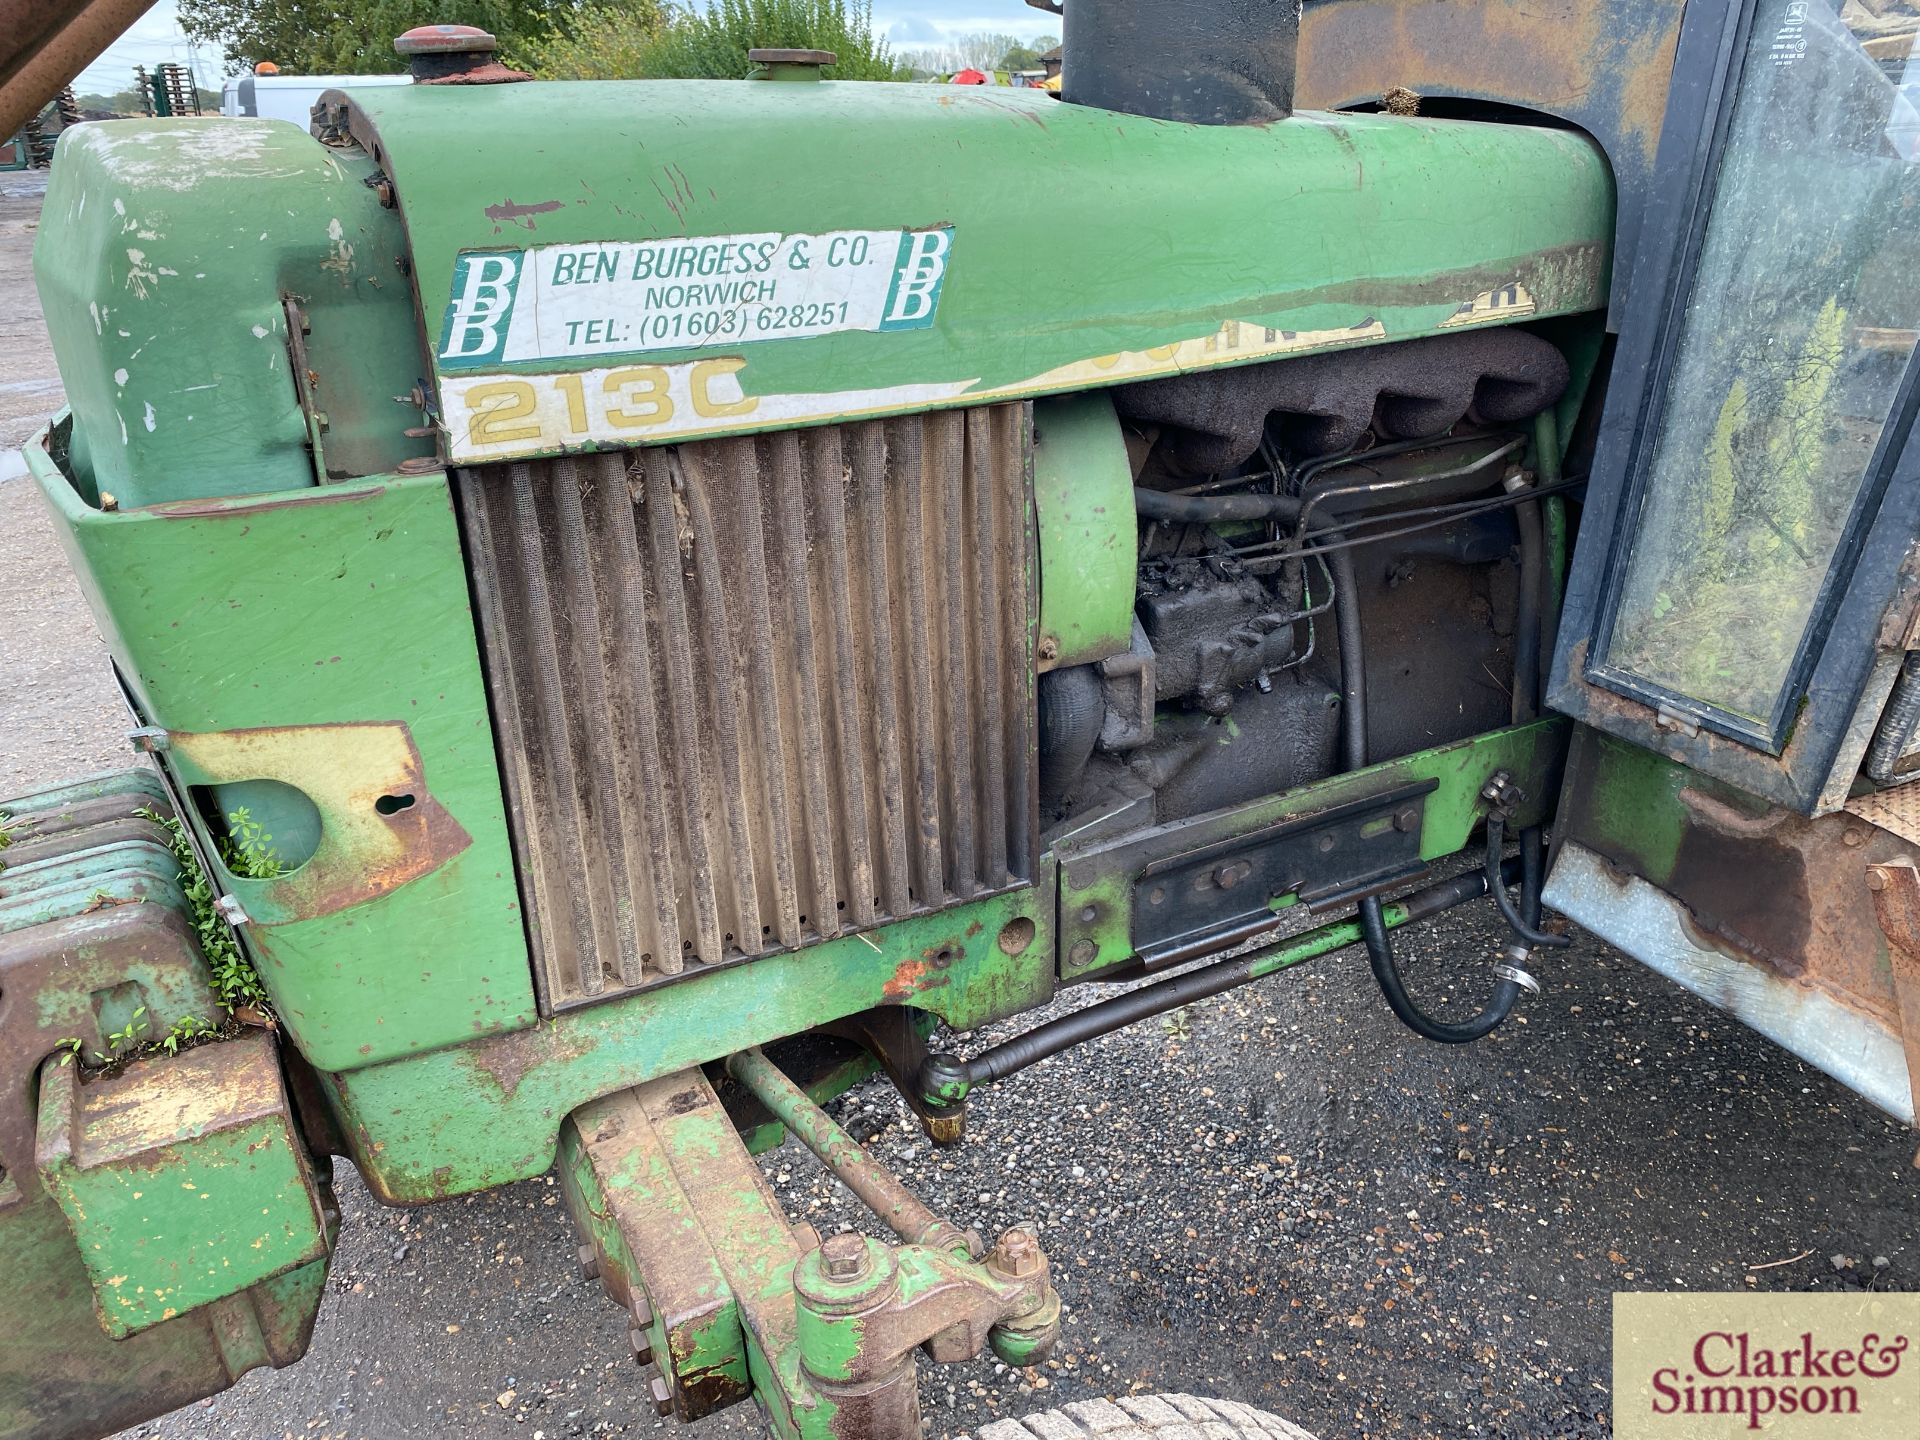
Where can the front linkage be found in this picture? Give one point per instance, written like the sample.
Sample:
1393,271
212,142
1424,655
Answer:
726,1299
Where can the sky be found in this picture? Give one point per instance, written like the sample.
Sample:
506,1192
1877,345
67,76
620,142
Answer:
156,36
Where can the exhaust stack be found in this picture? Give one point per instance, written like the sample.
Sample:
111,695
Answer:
1211,62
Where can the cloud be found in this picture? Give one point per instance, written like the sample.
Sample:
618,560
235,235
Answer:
914,30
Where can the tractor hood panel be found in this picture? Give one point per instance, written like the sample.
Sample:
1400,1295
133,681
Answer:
622,263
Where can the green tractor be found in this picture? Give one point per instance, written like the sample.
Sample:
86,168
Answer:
647,603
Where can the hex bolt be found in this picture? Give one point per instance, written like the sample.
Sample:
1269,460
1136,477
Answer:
589,1263
1876,878
1408,820
1016,1253
844,1256
642,1345
1049,647
660,1391
639,1309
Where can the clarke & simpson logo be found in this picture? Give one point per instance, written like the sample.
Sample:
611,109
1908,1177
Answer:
1699,1367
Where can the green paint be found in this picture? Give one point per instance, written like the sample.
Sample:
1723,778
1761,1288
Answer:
622,1190
62,1375
483,1114
1083,493
1451,211
183,1179
339,604
165,249
1624,802
1091,879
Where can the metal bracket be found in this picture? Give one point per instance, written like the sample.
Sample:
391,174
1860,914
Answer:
1188,904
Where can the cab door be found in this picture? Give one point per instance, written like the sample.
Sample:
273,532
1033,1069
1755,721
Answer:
1737,596
1742,803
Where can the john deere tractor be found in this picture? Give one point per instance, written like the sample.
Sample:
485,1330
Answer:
647,602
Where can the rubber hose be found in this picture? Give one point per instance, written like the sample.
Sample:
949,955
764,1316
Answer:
1373,920
1527,929
1213,509
1072,709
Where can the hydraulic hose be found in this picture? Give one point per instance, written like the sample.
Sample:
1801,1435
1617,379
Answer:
1526,925
1373,920
1213,509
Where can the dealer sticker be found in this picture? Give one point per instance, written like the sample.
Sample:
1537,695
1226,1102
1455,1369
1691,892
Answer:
553,302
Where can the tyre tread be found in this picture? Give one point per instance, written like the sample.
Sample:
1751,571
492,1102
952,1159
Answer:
1172,1416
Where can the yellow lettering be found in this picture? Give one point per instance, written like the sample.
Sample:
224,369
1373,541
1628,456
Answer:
704,405
575,391
650,394
492,409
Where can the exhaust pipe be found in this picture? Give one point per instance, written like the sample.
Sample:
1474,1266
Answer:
1209,62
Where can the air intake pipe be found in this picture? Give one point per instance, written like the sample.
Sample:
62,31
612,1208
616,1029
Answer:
1211,62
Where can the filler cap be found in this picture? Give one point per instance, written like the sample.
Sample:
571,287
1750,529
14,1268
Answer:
789,64
453,55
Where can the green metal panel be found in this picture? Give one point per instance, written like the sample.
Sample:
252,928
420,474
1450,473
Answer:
182,1178
1097,879
1083,493
324,637
1142,247
487,1113
164,254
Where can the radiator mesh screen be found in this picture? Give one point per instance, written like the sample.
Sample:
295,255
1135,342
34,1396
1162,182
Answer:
752,693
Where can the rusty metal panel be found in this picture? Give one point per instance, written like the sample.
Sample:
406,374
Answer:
756,693
1767,914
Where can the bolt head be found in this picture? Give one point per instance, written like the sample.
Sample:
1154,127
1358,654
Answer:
660,1392
1083,952
642,1345
1876,878
589,1263
1017,1253
844,1256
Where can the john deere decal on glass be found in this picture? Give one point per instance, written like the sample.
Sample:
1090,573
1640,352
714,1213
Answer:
557,301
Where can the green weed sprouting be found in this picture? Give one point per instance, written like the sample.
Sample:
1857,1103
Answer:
184,1032
235,982
247,849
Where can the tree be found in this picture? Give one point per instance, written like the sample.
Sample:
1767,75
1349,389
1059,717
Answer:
713,43
1025,57
606,42
354,37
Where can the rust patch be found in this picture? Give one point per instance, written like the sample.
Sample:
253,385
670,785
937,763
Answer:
908,979
507,212
1745,887
318,495
1604,66
379,826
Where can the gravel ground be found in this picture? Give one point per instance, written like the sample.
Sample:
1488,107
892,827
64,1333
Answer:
1275,1196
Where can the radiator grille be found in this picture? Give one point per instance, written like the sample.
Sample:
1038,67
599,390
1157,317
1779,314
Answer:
756,692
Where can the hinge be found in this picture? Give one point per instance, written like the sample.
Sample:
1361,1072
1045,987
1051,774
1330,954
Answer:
1668,718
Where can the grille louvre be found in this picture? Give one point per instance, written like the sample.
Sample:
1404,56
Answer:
754,692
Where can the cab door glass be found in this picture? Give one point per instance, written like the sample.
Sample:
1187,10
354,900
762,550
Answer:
1788,361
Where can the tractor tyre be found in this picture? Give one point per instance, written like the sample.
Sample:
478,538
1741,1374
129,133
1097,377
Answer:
1147,1417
